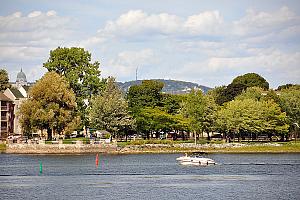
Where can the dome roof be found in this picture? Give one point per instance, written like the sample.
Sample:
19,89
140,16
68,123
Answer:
21,77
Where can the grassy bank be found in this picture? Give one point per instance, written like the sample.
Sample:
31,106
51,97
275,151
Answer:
287,147
168,142
168,146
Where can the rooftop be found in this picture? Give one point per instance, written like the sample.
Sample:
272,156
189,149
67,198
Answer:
16,93
3,97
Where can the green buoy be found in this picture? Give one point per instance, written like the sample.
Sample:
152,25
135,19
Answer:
41,167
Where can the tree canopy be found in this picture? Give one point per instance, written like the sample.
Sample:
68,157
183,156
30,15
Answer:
4,80
109,110
289,100
252,116
251,80
238,85
147,94
50,106
83,76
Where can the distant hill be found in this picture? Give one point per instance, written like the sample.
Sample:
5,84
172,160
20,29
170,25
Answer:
171,86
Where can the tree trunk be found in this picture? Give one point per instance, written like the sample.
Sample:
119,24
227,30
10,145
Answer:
174,136
49,133
208,136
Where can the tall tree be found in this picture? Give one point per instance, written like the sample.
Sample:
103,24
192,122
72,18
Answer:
287,86
239,84
209,117
251,80
4,80
201,109
289,100
230,92
148,94
252,116
194,109
255,93
109,110
172,102
84,76
154,119
50,106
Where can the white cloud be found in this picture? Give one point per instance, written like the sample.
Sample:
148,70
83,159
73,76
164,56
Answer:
34,14
138,22
256,23
27,37
200,46
25,40
268,62
126,62
206,23
51,13
21,53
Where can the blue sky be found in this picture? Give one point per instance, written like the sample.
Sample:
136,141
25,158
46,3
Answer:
207,42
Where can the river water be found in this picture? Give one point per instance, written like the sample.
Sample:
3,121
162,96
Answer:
149,176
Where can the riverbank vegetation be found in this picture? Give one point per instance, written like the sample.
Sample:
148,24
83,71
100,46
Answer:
75,98
173,147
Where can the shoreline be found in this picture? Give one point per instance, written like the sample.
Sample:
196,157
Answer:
226,148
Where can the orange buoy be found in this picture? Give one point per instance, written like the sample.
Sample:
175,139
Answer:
97,160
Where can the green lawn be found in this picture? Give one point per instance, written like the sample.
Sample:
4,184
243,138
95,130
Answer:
285,147
288,147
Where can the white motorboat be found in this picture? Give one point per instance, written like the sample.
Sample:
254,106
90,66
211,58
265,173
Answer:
184,158
195,159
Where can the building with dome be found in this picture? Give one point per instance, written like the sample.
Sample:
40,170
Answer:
21,79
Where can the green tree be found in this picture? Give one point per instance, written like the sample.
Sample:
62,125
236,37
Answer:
172,103
287,86
4,80
216,92
251,80
194,109
252,116
289,100
148,94
51,106
255,93
230,92
109,110
84,76
209,117
239,84
154,120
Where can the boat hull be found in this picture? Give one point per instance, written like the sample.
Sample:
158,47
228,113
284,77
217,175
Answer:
195,160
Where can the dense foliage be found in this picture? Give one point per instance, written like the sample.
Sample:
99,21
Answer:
109,110
245,108
83,75
238,85
4,80
51,106
251,80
